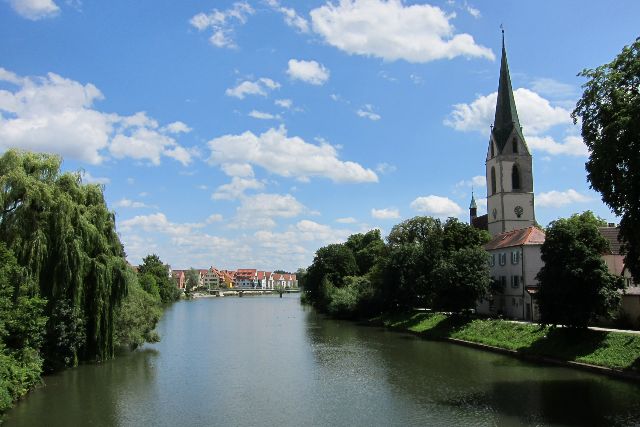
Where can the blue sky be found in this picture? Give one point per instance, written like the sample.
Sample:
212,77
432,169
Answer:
248,134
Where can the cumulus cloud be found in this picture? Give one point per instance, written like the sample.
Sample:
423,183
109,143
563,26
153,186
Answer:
308,71
89,179
178,127
223,23
263,116
259,87
261,210
391,30
286,156
35,9
476,181
367,112
346,220
555,199
158,222
213,218
127,203
537,115
291,17
386,213
436,205
55,114
284,103
236,188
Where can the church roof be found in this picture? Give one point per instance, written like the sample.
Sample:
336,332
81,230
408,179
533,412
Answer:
506,118
473,204
524,236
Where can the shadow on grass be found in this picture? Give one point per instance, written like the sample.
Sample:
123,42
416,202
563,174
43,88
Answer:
566,343
448,326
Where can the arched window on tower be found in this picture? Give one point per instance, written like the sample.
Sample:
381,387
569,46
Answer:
493,180
515,177
515,145
493,154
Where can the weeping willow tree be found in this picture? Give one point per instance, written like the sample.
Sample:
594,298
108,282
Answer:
63,233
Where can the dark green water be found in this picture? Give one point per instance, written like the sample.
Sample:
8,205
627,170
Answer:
269,361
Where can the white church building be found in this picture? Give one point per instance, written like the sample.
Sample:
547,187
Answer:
514,249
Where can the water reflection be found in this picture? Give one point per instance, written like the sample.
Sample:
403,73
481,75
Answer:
270,361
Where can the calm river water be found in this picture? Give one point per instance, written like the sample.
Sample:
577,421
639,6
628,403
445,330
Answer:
258,361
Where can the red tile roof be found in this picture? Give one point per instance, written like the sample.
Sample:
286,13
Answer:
524,236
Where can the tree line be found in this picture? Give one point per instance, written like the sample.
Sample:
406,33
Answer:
424,263
67,294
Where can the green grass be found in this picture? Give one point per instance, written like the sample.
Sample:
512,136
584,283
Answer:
615,350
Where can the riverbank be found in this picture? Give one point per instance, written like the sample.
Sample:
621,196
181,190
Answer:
613,353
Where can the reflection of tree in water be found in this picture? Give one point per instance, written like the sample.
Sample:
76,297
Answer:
441,382
91,394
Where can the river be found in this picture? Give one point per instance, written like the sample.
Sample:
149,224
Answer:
268,361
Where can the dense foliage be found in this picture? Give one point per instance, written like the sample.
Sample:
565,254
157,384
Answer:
155,275
610,114
63,233
424,263
575,284
21,331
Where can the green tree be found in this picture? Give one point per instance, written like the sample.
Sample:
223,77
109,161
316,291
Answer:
63,233
331,264
609,111
192,279
153,266
575,284
137,316
22,324
366,249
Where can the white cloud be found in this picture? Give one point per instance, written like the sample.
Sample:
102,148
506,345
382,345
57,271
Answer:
367,112
555,199
157,222
291,17
261,210
127,203
223,23
54,114
89,179
436,205
392,31
213,218
553,88
284,103
178,127
477,181
386,213
263,116
35,9
237,169
572,145
308,71
347,220
385,168
537,115
259,87
236,188
286,156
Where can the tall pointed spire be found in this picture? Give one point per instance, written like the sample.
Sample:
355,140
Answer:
506,114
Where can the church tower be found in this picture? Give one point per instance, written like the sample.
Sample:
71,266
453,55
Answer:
509,164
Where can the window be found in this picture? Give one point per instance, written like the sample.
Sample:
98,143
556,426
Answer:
503,281
493,180
493,154
515,281
515,177
514,143
502,258
515,257
492,260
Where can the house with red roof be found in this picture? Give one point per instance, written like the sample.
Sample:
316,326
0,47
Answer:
514,261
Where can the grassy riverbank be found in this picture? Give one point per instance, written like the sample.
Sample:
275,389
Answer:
614,350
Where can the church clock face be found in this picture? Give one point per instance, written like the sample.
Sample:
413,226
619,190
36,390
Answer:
494,213
518,211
